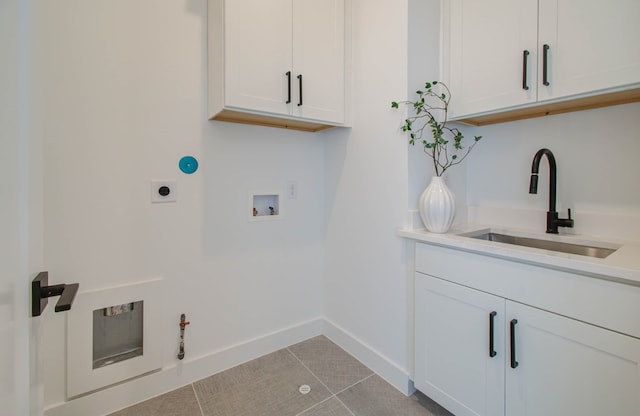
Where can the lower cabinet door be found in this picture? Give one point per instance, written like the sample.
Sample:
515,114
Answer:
566,367
457,363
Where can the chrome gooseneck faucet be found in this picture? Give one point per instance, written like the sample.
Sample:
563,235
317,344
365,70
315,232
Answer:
553,222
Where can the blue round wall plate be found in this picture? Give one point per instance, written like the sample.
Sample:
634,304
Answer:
188,164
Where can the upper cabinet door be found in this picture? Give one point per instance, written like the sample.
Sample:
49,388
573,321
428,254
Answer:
592,45
257,54
318,59
278,63
486,60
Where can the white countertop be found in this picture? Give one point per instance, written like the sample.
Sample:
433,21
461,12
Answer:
623,265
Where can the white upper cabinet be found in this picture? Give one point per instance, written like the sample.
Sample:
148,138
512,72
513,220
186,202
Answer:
593,46
501,55
488,40
318,59
257,54
278,62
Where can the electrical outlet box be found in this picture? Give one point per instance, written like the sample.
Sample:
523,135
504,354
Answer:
164,191
292,190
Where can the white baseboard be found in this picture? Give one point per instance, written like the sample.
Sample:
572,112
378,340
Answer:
174,376
381,365
185,372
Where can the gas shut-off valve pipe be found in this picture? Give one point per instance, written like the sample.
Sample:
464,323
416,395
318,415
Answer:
183,323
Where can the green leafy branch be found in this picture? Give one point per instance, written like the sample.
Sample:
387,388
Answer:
444,143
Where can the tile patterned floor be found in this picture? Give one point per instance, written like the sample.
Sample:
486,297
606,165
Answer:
268,386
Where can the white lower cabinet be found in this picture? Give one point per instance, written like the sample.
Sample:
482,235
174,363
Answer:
568,367
481,354
453,363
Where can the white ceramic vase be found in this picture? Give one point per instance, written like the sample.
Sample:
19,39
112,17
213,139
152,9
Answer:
437,206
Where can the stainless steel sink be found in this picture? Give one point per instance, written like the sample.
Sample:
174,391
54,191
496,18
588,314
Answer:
582,250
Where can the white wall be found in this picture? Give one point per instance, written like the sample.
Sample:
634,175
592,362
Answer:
424,65
366,190
596,153
124,100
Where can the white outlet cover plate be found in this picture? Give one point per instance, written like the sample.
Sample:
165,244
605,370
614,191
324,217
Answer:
155,194
292,190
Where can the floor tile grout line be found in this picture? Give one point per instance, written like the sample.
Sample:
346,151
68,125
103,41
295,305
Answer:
309,370
356,383
335,395
316,405
347,388
345,406
195,393
320,381
328,389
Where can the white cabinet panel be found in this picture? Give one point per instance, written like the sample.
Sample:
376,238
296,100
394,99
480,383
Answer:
318,58
547,364
278,63
487,43
592,45
257,54
575,49
453,364
567,367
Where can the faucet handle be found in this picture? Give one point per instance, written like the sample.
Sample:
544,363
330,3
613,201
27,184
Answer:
565,222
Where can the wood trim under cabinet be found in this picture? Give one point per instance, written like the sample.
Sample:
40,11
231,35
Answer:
576,104
268,121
